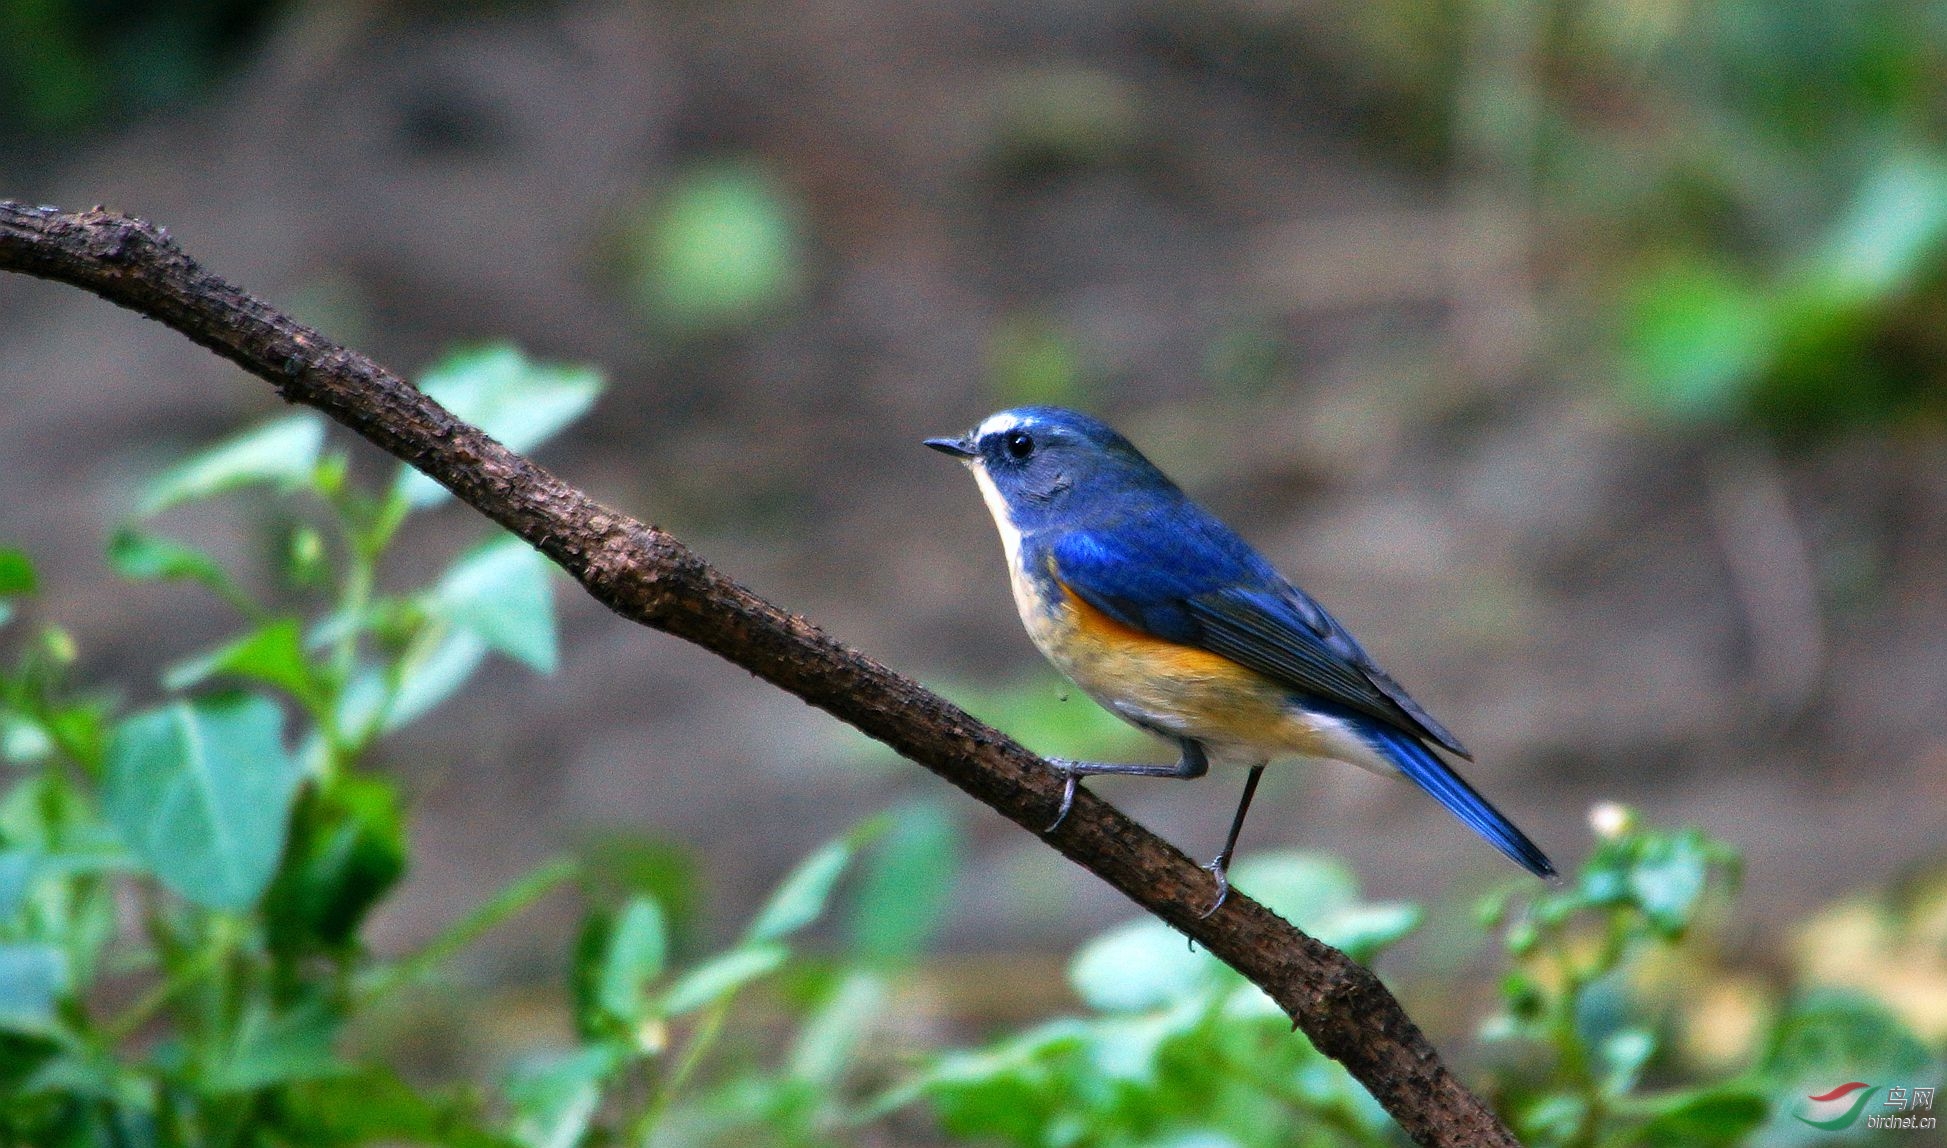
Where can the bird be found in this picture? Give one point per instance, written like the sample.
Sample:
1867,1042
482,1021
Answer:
1170,620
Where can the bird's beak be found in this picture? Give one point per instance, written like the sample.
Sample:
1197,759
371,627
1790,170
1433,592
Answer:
957,447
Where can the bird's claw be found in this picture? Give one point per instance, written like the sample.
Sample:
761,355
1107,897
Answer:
1220,870
1067,792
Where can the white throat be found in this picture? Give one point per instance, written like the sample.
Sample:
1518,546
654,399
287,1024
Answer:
997,506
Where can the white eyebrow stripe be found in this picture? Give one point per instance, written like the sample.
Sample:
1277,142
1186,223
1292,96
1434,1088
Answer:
996,424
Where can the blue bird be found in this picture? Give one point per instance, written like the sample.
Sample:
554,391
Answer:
1171,621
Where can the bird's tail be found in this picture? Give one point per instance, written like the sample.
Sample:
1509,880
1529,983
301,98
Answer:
1428,772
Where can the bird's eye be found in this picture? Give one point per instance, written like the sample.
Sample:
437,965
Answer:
1019,443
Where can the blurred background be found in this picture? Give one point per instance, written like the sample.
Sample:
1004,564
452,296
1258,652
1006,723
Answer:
1586,359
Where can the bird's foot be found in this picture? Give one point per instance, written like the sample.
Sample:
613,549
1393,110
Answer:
1220,870
1071,777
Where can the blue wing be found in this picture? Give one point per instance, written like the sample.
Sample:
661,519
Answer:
1178,573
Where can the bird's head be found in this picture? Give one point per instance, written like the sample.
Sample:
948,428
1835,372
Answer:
1045,466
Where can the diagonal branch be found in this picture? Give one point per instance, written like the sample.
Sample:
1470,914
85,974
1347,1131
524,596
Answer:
646,575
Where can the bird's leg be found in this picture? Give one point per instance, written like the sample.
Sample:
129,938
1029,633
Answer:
1220,865
1193,763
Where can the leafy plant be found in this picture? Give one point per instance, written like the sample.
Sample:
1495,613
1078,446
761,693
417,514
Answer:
182,888
1606,975
1176,1048
1575,997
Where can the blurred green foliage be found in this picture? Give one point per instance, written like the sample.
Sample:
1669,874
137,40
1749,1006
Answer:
1737,208
1032,358
1050,716
76,64
720,247
1176,1049
1843,334
1760,192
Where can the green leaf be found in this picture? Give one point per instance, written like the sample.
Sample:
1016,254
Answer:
1008,1090
1715,1118
719,977
87,849
500,907
520,402
143,557
1364,931
268,1048
429,678
1139,966
347,850
1553,1118
1893,233
1129,1048
721,248
282,452
1668,879
1625,1052
1835,1035
24,740
361,700
637,952
94,1075
81,730
273,654
18,869
1048,715
907,883
500,593
373,1106
32,979
801,897
1303,888
16,573
555,1099
202,793
617,957
827,1045
1696,337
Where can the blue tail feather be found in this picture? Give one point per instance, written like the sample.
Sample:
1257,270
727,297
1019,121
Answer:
1428,772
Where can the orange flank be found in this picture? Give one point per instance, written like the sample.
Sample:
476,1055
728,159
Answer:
1097,629
1172,687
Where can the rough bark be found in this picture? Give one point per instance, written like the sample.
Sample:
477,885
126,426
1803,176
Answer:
646,575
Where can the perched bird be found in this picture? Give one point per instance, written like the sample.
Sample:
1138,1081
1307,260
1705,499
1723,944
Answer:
1170,620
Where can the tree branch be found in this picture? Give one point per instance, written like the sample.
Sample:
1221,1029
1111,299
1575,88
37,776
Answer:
646,575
